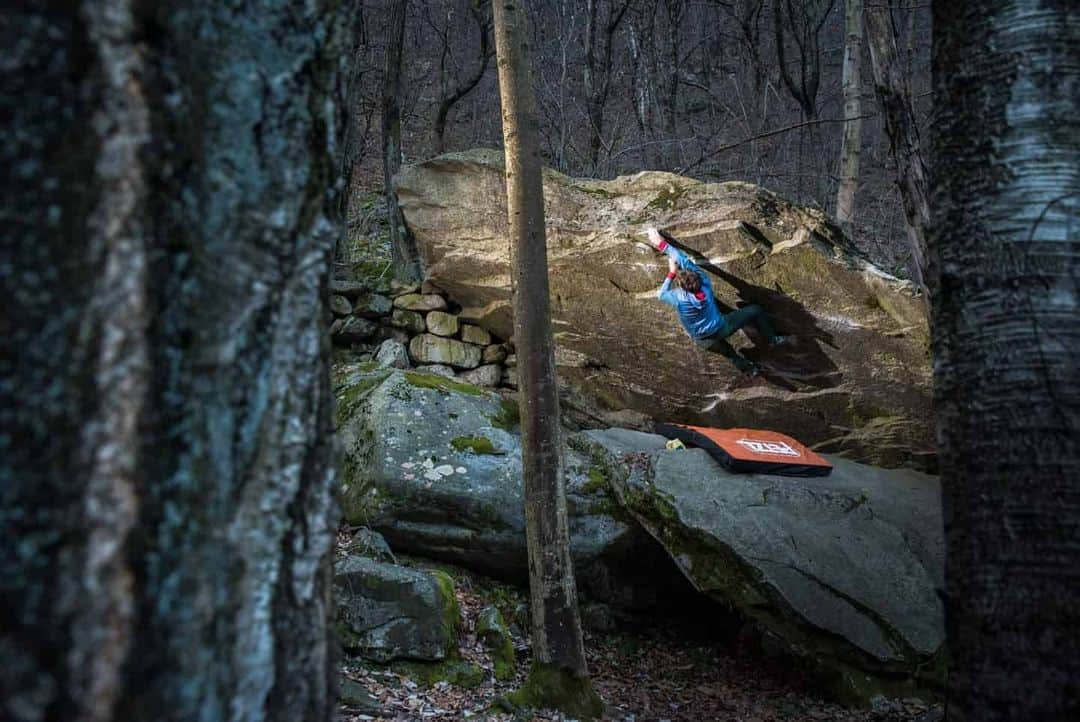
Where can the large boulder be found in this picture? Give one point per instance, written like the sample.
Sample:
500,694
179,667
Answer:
844,571
856,381
435,466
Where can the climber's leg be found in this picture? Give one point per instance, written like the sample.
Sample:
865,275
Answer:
718,344
752,314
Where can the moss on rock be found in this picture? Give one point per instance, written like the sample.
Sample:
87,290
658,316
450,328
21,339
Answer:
509,416
441,383
557,688
475,444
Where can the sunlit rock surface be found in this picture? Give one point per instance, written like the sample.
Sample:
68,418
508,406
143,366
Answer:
856,381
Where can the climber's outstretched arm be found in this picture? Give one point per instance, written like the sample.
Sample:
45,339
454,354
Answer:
678,259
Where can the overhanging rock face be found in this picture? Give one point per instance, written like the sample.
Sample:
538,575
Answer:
856,381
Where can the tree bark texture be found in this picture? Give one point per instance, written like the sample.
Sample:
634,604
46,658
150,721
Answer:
894,92
166,485
851,146
556,626
1006,322
403,253
466,86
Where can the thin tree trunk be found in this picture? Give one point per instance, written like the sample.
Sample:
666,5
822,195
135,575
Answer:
559,676
894,92
166,479
851,146
403,252
466,87
1005,252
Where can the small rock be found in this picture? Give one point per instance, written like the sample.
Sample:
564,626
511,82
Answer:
428,348
510,378
352,330
492,630
348,287
400,288
393,353
356,696
387,332
368,543
438,370
429,287
511,360
475,334
409,320
442,324
494,354
418,302
340,305
489,375
373,305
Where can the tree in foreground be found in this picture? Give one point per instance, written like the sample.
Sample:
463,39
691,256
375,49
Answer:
166,488
559,677
1006,319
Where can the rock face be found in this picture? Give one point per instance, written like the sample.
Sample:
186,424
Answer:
855,381
435,466
844,571
431,349
388,612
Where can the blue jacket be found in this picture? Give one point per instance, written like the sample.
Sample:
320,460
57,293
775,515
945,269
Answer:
698,312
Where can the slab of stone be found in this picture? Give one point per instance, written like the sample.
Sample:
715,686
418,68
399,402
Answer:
409,320
387,612
372,305
340,306
429,348
475,334
494,354
441,323
353,329
488,376
438,370
348,287
393,354
420,302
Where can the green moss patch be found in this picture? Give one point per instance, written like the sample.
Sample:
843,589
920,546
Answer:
455,672
668,198
509,416
597,481
441,383
553,687
475,444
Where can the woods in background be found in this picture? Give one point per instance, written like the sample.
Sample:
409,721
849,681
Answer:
749,90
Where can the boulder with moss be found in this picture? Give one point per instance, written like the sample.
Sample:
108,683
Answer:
387,612
846,571
857,379
435,466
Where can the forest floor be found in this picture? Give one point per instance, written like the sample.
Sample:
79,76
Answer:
644,674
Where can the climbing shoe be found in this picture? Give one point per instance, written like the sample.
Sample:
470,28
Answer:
748,367
781,341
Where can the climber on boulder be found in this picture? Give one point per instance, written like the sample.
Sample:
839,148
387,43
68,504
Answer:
689,290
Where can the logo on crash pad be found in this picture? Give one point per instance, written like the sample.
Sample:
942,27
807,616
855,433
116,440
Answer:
768,447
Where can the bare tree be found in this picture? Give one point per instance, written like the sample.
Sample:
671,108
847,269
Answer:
166,467
559,676
597,71
403,250
894,93
803,20
1006,327
851,148
478,11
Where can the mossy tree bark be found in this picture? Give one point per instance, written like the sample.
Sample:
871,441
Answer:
559,677
1006,325
166,487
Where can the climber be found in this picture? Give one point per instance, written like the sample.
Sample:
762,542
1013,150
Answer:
693,298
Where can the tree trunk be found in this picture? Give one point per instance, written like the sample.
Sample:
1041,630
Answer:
403,252
559,675
448,102
851,146
1006,315
166,487
894,92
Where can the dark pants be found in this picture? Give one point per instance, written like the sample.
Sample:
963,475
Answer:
717,343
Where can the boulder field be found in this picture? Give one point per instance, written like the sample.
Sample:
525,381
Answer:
841,572
855,381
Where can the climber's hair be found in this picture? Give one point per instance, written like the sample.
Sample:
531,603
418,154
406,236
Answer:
688,280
